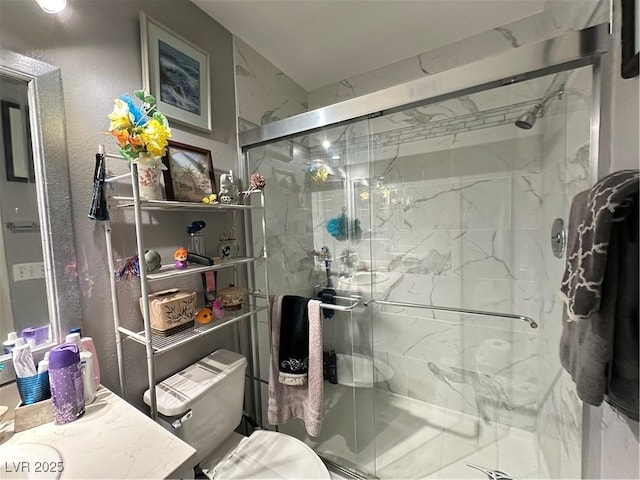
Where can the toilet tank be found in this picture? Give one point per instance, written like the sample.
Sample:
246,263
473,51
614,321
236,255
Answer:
202,404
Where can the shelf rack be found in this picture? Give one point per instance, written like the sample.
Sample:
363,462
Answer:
156,344
162,344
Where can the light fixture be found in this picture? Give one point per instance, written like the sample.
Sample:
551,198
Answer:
52,6
335,157
326,144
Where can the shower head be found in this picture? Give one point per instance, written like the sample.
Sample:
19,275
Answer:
528,119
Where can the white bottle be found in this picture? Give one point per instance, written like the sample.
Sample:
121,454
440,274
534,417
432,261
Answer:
10,342
88,380
23,359
86,344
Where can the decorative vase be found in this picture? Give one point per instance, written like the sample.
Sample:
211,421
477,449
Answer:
149,173
228,248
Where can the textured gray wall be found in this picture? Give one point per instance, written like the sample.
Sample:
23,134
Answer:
96,44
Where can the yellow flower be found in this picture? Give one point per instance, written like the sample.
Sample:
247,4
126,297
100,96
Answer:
119,116
211,199
154,137
321,175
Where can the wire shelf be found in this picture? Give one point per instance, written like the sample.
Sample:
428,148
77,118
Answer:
164,344
169,271
168,205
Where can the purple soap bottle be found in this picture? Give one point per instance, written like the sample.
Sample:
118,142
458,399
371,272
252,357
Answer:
65,378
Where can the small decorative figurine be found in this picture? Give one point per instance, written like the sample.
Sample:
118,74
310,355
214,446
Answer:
229,193
180,256
218,308
152,261
204,316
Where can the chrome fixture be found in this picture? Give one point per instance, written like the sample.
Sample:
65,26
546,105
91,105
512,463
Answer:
528,119
532,323
558,237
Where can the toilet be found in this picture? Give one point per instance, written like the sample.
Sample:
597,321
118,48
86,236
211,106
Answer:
202,405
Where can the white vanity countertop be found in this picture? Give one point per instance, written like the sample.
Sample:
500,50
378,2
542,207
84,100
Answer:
111,440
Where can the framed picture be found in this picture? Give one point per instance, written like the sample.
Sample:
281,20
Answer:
17,142
630,39
189,176
176,73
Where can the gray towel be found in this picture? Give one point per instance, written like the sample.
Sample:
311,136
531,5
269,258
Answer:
296,401
590,223
600,351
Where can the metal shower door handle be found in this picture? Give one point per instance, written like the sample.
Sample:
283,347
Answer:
558,238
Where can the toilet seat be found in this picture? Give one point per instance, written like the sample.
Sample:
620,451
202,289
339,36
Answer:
267,454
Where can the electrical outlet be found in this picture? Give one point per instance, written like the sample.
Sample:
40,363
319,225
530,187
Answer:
28,271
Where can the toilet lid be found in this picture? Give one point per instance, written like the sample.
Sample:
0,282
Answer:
267,454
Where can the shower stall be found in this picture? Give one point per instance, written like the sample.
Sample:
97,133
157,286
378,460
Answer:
439,206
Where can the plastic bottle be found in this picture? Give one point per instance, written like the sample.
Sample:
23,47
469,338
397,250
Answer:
65,378
43,365
23,359
86,344
10,342
88,379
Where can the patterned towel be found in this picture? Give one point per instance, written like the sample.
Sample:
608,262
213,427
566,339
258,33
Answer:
590,224
293,354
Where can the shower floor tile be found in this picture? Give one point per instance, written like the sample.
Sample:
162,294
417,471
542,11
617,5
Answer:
419,440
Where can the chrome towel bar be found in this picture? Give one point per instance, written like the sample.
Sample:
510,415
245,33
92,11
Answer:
354,302
532,323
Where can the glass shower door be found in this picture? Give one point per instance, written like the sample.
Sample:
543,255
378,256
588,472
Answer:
316,244
462,203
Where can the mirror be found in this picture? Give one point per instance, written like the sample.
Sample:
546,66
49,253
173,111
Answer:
38,278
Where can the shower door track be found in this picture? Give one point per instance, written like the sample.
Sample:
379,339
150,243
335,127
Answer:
532,323
567,52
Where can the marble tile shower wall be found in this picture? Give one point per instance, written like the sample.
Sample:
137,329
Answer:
460,222
557,18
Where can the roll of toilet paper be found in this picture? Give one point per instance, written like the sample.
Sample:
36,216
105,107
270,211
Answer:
493,356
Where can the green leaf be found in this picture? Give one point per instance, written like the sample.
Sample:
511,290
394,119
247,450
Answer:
140,95
150,99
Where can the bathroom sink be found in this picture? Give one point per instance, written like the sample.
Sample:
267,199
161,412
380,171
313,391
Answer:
30,460
366,278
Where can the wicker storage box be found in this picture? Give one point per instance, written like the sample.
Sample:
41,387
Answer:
171,311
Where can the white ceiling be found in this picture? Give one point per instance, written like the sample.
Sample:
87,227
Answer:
319,42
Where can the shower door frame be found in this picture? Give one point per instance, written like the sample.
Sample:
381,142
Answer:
590,46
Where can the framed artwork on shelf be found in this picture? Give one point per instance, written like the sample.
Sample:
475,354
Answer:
16,136
176,73
189,176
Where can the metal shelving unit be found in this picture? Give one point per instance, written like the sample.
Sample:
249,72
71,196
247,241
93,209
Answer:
156,344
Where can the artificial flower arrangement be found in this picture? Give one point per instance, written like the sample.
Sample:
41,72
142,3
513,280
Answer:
139,128
315,172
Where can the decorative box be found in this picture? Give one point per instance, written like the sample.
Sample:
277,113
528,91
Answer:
171,311
233,297
34,415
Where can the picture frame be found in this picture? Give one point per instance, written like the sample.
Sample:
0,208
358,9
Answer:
177,73
17,142
629,41
189,176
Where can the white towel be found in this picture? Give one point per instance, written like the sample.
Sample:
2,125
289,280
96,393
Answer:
297,401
